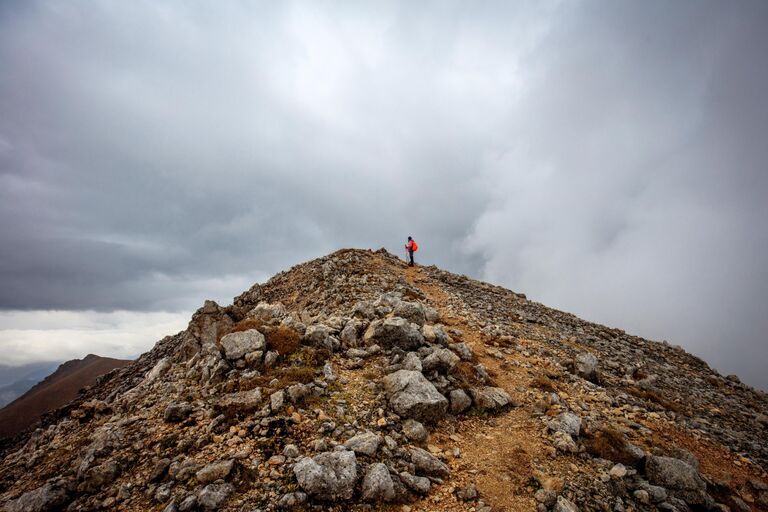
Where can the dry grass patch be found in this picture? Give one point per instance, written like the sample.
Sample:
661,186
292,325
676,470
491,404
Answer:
285,377
465,372
283,340
655,397
610,444
543,383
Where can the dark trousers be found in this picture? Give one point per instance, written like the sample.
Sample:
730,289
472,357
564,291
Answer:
410,255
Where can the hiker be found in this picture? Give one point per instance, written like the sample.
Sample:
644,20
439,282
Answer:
411,247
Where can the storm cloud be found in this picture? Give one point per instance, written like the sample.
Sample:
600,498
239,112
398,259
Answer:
608,159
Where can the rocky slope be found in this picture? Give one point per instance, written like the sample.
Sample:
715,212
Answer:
352,382
55,390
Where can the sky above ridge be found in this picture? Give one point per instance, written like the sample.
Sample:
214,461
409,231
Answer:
605,158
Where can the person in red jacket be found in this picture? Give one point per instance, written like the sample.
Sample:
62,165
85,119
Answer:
411,247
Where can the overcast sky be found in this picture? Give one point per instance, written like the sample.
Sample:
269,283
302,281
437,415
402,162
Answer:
606,158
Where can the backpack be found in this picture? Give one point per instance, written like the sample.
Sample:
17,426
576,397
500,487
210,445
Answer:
415,246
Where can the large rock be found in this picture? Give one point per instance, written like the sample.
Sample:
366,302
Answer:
177,412
242,401
435,334
348,335
393,332
268,313
99,476
215,471
328,476
237,344
680,479
460,401
411,395
566,422
415,431
49,497
364,444
411,311
213,496
441,359
489,398
673,474
586,365
428,464
418,484
377,483
411,361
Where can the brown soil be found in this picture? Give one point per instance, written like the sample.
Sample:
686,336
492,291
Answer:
56,390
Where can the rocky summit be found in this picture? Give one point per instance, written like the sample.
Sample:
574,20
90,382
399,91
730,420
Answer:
353,382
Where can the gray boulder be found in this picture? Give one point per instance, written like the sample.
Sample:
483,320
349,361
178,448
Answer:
566,422
680,478
435,334
318,336
428,464
268,313
43,499
177,412
159,469
586,365
460,401
364,444
215,471
418,484
377,484
99,476
364,309
564,442
411,395
242,401
237,344
489,398
349,334
673,474
213,496
277,400
297,392
411,311
328,476
441,359
412,362
393,332
415,431
462,350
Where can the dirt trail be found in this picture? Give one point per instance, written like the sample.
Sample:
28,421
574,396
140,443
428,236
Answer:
498,454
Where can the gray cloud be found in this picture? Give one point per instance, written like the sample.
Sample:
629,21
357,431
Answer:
607,159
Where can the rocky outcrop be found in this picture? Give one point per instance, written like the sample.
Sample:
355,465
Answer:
238,344
411,395
394,332
352,382
328,476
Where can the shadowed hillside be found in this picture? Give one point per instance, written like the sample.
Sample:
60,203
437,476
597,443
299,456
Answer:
54,391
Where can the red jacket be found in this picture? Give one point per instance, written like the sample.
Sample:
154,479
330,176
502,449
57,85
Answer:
412,246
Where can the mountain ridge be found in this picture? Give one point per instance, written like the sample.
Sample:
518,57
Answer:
303,392
53,391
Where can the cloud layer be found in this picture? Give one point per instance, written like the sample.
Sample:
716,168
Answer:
606,159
